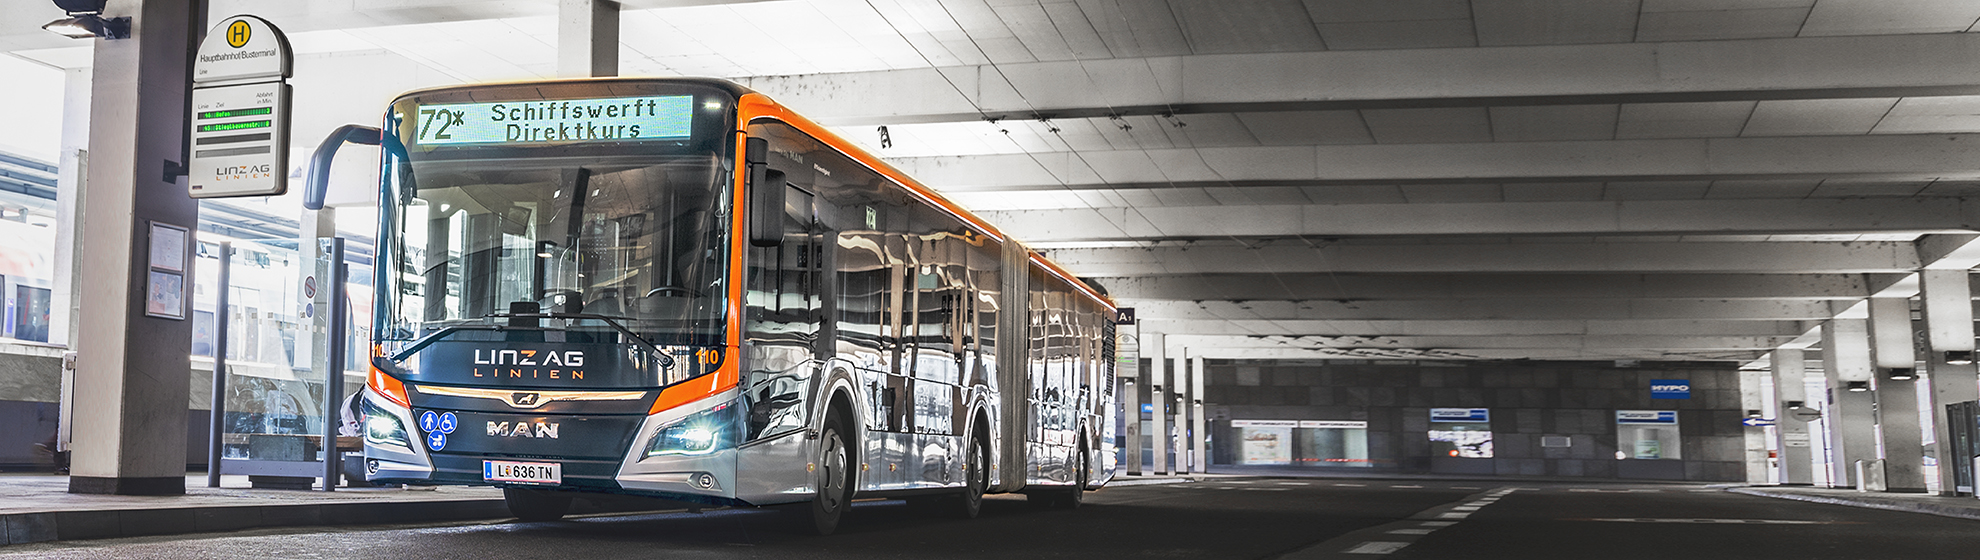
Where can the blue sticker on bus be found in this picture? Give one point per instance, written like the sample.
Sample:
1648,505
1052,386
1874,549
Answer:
428,421
448,423
436,441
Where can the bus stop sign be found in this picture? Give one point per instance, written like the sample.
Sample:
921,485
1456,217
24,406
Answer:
240,111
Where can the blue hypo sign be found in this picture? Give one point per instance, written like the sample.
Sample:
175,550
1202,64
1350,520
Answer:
1670,388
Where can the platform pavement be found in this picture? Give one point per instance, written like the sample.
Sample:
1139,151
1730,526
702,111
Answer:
38,508
1948,506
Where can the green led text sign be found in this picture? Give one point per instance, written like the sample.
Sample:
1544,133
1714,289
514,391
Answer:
236,113
234,126
575,120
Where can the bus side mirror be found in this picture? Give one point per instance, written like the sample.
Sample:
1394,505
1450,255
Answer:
766,195
766,210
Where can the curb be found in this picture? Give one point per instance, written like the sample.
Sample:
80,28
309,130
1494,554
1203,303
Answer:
23,528
1962,512
1148,481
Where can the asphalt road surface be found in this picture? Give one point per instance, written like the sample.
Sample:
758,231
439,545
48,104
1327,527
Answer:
1276,518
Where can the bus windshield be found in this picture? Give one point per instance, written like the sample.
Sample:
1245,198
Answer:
636,239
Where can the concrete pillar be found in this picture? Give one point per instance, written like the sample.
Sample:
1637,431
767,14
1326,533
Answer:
1796,444
1178,434
65,299
1755,437
1947,300
587,38
133,373
1158,426
1131,424
1897,399
1198,426
68,195
1179,382
1851,414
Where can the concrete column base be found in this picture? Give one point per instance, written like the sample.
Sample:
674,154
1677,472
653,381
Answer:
131,486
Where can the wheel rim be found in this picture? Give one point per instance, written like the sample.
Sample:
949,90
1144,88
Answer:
834,471
976,468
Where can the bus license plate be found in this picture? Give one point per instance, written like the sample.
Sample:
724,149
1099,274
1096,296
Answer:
534,473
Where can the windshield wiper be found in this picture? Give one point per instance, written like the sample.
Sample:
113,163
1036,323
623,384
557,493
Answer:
666,361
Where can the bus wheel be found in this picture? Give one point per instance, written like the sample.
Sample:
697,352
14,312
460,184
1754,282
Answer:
1071,499
834,479
976,478
536,505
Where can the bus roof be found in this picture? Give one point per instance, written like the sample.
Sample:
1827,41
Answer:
759,104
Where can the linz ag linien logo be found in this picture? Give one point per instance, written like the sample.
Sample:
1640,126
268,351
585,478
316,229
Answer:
1670,388
529,364
522,429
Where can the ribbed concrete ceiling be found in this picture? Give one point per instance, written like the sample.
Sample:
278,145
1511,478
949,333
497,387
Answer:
1497,179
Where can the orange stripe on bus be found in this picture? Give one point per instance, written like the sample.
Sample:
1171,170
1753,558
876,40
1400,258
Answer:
755,105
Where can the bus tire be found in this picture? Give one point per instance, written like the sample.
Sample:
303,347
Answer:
835,478
533,505
976,479
1072,498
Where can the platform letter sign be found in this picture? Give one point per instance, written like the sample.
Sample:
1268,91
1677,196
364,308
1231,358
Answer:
1460,415
1646,417
240,111
1670,388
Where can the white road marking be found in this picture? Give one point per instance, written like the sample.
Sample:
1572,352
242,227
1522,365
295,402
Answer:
1266,489
1464,487
1713,521
1619,491
1438,523
1350,485
1376,547
1412,531
1294,483
1465,508
1454,515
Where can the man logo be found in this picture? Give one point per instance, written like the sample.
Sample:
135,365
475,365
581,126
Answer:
524,400
522,429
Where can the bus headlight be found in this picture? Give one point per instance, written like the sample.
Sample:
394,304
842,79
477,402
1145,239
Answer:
382,428
700,433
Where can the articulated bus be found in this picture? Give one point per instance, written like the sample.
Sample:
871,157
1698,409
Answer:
679,288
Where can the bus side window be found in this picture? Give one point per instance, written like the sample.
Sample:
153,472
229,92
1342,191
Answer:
781,296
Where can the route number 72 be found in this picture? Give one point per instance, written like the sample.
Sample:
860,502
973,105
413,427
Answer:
446,119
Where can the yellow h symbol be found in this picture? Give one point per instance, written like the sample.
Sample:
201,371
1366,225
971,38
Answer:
237,33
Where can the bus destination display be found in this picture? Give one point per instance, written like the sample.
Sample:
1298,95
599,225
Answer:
575,120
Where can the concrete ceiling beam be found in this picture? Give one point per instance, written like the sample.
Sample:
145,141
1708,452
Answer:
1293,256
1495,218
1494,309
1737,70
1619,217
1891,157
1541,287
1563,354
1655,327
1461,343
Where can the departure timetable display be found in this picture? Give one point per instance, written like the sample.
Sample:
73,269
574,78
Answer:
575,120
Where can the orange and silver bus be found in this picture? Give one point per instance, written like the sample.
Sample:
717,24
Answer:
680,288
